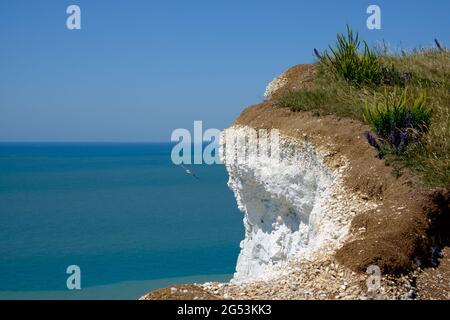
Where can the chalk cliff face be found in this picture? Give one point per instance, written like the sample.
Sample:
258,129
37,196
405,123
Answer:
292,203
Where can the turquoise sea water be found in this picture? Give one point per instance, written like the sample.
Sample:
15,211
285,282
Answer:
129,218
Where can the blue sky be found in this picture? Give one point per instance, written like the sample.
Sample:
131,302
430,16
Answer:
139,69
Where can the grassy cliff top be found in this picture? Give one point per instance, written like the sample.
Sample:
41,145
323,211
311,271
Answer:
404,98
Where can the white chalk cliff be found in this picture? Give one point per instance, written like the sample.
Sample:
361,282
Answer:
293,204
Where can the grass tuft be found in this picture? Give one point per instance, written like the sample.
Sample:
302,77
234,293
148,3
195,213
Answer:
399,120
346,61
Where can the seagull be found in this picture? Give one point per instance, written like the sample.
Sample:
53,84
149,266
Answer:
189,171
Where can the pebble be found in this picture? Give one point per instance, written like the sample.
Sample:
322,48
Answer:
307,280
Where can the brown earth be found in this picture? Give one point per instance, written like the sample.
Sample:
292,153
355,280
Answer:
433,283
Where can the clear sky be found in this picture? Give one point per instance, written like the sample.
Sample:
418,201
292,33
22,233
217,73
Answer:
139,69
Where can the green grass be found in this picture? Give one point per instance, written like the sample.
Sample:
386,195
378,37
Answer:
398,120
428,154
346,60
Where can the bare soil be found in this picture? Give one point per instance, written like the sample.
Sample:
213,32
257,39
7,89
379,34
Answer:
434,283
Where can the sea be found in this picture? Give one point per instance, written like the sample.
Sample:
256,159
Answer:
123,213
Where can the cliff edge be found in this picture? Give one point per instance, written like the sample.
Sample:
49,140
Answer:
328,216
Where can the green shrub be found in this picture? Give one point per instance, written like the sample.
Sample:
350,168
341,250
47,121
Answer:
346,61
398,120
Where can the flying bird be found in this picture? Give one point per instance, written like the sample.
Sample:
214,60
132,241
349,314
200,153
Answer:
190,172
